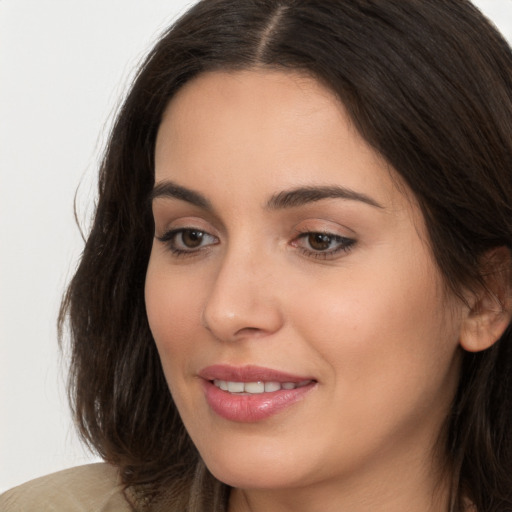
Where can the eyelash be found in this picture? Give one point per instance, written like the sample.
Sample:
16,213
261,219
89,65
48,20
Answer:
169,237
343,244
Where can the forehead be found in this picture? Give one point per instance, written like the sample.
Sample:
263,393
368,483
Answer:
261,130
254,105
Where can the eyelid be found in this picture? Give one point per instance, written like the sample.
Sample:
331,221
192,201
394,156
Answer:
324,225
171,220
170,233
169,236
171,213
343,245
333,230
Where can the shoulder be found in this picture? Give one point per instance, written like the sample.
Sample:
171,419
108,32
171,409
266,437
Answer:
90,488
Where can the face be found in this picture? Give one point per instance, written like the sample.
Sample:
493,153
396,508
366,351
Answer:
301,321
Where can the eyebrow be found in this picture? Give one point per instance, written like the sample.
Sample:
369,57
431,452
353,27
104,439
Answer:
172,190
303,195
292,198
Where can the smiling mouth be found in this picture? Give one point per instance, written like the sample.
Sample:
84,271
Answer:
258,387
249,394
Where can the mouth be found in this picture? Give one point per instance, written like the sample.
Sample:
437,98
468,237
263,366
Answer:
250,394
258,387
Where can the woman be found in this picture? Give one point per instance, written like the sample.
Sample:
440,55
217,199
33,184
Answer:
303,232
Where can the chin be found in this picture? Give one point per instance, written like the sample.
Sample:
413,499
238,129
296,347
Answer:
249,472
252,478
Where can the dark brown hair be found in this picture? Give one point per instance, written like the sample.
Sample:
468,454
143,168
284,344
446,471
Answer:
428,83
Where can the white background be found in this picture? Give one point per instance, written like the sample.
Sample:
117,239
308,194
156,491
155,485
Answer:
64,64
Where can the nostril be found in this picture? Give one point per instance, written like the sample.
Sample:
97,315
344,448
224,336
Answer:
250,332
250,329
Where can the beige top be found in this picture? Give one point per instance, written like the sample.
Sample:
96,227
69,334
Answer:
90,488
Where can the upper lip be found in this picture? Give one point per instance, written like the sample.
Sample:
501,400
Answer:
249,373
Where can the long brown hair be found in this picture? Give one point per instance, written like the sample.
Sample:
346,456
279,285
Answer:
428,83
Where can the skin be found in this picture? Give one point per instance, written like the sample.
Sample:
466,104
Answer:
372,324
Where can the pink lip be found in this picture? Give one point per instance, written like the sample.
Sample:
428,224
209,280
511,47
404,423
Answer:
248,374
256,407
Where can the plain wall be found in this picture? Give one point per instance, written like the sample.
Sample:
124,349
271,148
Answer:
64,64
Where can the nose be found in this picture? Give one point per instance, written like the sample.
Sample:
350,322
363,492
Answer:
243,299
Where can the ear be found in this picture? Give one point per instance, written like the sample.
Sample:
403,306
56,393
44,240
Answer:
490,309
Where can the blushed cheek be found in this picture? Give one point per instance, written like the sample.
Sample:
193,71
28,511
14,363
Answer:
159,305
173,310
168,315
365,322
163,325
173,319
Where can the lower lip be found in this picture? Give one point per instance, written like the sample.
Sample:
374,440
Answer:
252,408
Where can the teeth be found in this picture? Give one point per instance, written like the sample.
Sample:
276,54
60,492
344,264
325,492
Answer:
254,388
236,387
272,386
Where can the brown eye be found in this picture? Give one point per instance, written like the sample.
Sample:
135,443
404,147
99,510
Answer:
320,241
185,241
323,245
191,238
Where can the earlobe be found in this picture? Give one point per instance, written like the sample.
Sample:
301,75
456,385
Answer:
490,310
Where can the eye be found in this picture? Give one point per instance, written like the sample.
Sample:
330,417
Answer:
322,245
187,240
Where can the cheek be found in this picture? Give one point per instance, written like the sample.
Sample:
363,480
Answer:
173,307
392,363
385,335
